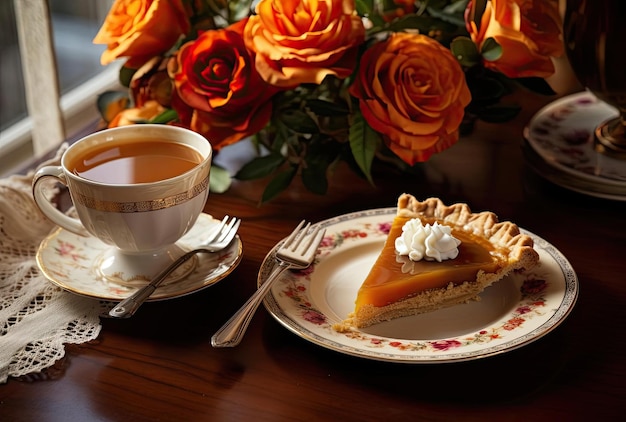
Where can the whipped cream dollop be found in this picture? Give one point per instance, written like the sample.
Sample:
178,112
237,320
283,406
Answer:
430,242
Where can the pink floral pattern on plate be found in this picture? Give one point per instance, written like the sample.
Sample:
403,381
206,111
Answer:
68,260
541,300
562,134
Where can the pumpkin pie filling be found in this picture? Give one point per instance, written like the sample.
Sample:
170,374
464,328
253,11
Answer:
398,286
395,277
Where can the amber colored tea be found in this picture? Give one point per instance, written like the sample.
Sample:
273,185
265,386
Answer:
136,161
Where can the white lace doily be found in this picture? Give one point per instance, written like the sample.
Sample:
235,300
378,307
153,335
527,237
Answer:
36,318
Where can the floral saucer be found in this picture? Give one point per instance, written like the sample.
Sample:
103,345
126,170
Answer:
562,134
70,261
569,181
512,313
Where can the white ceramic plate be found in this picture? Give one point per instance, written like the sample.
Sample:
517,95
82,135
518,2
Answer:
69,261
511,313
562,134
568,181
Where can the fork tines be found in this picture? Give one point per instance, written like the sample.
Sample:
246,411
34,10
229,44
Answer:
221,230
301,245
296,236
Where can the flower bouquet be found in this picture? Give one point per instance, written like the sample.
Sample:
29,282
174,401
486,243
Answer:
312,82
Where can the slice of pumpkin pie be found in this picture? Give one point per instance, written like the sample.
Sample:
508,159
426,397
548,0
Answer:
437,256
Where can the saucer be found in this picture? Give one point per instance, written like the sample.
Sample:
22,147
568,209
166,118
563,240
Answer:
568,181
71,262
562,135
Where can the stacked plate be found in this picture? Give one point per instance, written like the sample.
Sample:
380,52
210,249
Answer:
560,147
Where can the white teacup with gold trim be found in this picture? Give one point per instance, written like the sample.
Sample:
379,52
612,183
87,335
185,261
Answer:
138,188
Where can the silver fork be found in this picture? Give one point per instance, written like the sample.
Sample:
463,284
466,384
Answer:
218,238
298,251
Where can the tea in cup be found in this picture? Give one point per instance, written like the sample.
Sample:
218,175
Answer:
138,188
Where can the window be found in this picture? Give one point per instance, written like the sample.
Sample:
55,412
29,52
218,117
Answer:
81,76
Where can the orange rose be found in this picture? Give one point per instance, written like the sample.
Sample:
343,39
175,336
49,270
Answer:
218,91
528,31
131,116
413,92
151,82
141,29
304,41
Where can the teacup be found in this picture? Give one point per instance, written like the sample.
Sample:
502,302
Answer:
138,188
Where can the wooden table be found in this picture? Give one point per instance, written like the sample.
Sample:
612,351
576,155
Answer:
160,365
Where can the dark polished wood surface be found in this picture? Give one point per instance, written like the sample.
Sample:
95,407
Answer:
160,365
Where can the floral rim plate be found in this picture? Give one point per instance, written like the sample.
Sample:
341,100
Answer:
511,313
69,261
562,134
568,181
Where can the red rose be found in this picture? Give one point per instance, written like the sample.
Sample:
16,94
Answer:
217,90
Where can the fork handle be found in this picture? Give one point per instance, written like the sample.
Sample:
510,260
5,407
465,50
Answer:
232,331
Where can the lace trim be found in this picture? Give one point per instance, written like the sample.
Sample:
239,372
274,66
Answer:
36,318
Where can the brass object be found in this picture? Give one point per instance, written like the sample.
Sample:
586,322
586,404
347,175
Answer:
610,137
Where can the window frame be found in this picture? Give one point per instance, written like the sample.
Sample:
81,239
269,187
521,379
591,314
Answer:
78,109
79,113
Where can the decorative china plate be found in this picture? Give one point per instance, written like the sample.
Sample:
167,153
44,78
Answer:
511,313
562,134
69,261
569,181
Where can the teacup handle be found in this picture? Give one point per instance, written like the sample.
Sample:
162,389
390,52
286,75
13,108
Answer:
54,214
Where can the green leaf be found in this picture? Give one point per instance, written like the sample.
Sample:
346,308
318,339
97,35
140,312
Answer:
280,138
219,179
260,167
456,7
363,143
452,14
320,154
465,51
326,108
238,9
167,116
278,184
364,7
126,74
298,121
491,50
420,22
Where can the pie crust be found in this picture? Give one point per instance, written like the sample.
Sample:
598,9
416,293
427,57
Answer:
490,250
